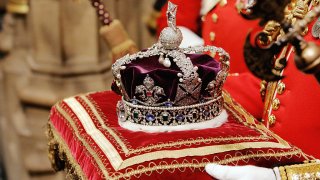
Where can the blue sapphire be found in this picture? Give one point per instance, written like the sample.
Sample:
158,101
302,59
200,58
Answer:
180,117
168,104
206,113
150,117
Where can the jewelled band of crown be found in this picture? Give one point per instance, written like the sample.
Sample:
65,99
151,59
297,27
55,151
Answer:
155,116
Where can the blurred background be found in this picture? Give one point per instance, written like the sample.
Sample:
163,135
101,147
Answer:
49,50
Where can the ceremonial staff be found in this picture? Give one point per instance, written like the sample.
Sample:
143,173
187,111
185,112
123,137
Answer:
277,36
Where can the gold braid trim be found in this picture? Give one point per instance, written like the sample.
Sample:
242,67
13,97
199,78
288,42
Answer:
195,164
74,171
300,171
105,120
191,141
86,142
118,163
96,114
60,156
229,102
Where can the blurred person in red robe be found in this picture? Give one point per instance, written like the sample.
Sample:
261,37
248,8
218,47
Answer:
290,106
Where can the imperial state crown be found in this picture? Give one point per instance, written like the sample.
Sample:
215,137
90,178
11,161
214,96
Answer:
168,86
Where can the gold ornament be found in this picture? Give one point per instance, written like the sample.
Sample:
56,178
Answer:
223,2
272,120
281,88
275,104
214,17
212,36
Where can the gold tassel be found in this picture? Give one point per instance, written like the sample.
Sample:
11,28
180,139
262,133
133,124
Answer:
118,40
18,6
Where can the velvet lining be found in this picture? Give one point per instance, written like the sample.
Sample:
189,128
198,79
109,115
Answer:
167,78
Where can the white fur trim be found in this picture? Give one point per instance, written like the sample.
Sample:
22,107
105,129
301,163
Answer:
207,5
190,39
213,123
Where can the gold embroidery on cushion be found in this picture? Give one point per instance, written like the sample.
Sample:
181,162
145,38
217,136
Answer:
121,164
97,136
177,143
236,110
260,127
96,115
173,153
200,151
191,141
86,142
268,155
72,168
229,101
195,164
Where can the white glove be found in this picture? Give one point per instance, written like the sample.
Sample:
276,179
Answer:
240,172
207,5
190,38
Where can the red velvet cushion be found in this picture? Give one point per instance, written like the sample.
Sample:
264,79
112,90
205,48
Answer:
245,89
85,127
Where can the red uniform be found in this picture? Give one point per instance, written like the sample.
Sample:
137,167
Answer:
224,27
295,111
297,115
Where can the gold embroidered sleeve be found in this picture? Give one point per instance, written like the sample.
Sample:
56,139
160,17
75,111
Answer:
309,170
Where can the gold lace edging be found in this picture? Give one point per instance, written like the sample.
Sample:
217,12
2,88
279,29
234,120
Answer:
89,102
58,151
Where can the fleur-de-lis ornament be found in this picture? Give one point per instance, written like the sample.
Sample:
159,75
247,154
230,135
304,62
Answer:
148,92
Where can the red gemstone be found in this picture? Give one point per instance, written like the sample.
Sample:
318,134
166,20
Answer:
149,93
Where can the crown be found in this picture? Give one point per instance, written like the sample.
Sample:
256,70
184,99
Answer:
170,86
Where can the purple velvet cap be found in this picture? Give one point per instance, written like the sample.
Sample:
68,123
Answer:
136,71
